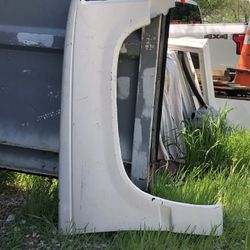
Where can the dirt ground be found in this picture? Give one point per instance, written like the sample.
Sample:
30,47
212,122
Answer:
10,200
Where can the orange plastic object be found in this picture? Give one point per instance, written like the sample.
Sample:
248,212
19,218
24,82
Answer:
243,73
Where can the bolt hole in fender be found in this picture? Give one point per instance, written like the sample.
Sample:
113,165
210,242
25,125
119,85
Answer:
96,194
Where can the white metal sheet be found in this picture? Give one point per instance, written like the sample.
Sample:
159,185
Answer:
95,193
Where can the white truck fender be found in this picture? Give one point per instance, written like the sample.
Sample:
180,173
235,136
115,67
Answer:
95,193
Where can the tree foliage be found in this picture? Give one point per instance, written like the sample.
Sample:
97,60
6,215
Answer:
225,10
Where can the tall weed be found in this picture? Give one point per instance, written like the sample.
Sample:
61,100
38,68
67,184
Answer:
217,169
214,145
41,196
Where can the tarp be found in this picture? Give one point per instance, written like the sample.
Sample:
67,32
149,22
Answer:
177,105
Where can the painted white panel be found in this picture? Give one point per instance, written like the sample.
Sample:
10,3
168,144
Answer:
223,51
95,193
201,47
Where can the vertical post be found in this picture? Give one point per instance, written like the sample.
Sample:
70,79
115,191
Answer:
161,68
145,102
149,99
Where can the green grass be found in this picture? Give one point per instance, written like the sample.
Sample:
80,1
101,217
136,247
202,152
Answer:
207,147
41,198
231,187
217,169
6,178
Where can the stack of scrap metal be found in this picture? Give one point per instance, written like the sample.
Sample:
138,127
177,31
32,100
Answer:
232,90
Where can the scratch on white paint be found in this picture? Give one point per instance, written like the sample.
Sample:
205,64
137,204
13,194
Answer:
49,115
31,39
123,83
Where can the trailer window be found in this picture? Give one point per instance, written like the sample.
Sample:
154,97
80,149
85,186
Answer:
185,13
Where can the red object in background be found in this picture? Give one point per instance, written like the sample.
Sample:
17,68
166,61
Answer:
239,40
